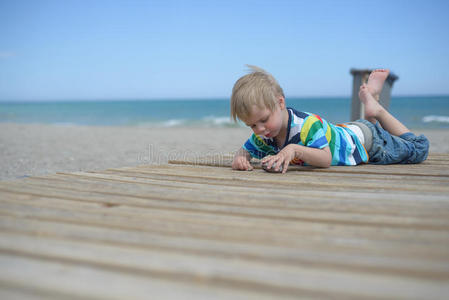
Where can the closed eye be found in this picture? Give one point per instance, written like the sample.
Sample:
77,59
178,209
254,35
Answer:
264,120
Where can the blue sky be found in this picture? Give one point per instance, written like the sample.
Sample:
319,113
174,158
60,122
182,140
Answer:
70,50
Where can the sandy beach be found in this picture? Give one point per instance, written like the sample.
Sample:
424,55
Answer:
36,149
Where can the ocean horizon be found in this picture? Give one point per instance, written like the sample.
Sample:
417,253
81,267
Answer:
420,112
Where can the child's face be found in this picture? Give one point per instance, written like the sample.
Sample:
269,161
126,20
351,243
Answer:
265,122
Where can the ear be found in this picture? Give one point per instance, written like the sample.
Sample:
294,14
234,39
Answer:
281,101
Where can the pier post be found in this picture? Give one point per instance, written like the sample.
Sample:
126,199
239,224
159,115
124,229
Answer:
361,76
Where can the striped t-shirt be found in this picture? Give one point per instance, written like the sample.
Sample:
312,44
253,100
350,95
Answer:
311,130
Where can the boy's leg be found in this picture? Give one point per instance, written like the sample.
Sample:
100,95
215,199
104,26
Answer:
393,143
374,111
376,82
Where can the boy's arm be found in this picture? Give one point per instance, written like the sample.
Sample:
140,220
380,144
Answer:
241,160
313,156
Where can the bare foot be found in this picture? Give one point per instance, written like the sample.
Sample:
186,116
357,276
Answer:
376,81
372,106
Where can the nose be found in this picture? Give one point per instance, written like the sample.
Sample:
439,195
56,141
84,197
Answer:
259,129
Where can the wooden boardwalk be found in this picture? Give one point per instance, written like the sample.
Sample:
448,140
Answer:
183,231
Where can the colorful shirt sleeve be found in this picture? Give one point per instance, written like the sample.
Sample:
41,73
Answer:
315,132
257,147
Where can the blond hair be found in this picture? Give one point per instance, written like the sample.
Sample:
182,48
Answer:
256,88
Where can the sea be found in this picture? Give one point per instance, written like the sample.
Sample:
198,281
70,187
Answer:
430,112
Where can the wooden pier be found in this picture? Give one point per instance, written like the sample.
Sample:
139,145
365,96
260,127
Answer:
198,230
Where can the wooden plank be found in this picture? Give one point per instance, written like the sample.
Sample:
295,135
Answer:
343,258
148,181
305,172
219,271
131,185
431,167
11,290
213,232
309,181
338,256
304,218
259,231
229,227
107,193
437,222
75,279
260,179
235,178
385,241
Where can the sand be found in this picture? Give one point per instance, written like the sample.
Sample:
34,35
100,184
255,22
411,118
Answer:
36,149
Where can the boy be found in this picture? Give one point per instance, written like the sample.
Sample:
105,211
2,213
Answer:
284,135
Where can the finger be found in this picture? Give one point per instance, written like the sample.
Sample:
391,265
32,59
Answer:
279,163
271,165
274,164
286,163
271,162
266,158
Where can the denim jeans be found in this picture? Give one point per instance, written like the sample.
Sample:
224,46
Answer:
389,149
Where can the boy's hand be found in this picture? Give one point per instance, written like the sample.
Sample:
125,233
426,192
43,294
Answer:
283,158
241,163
